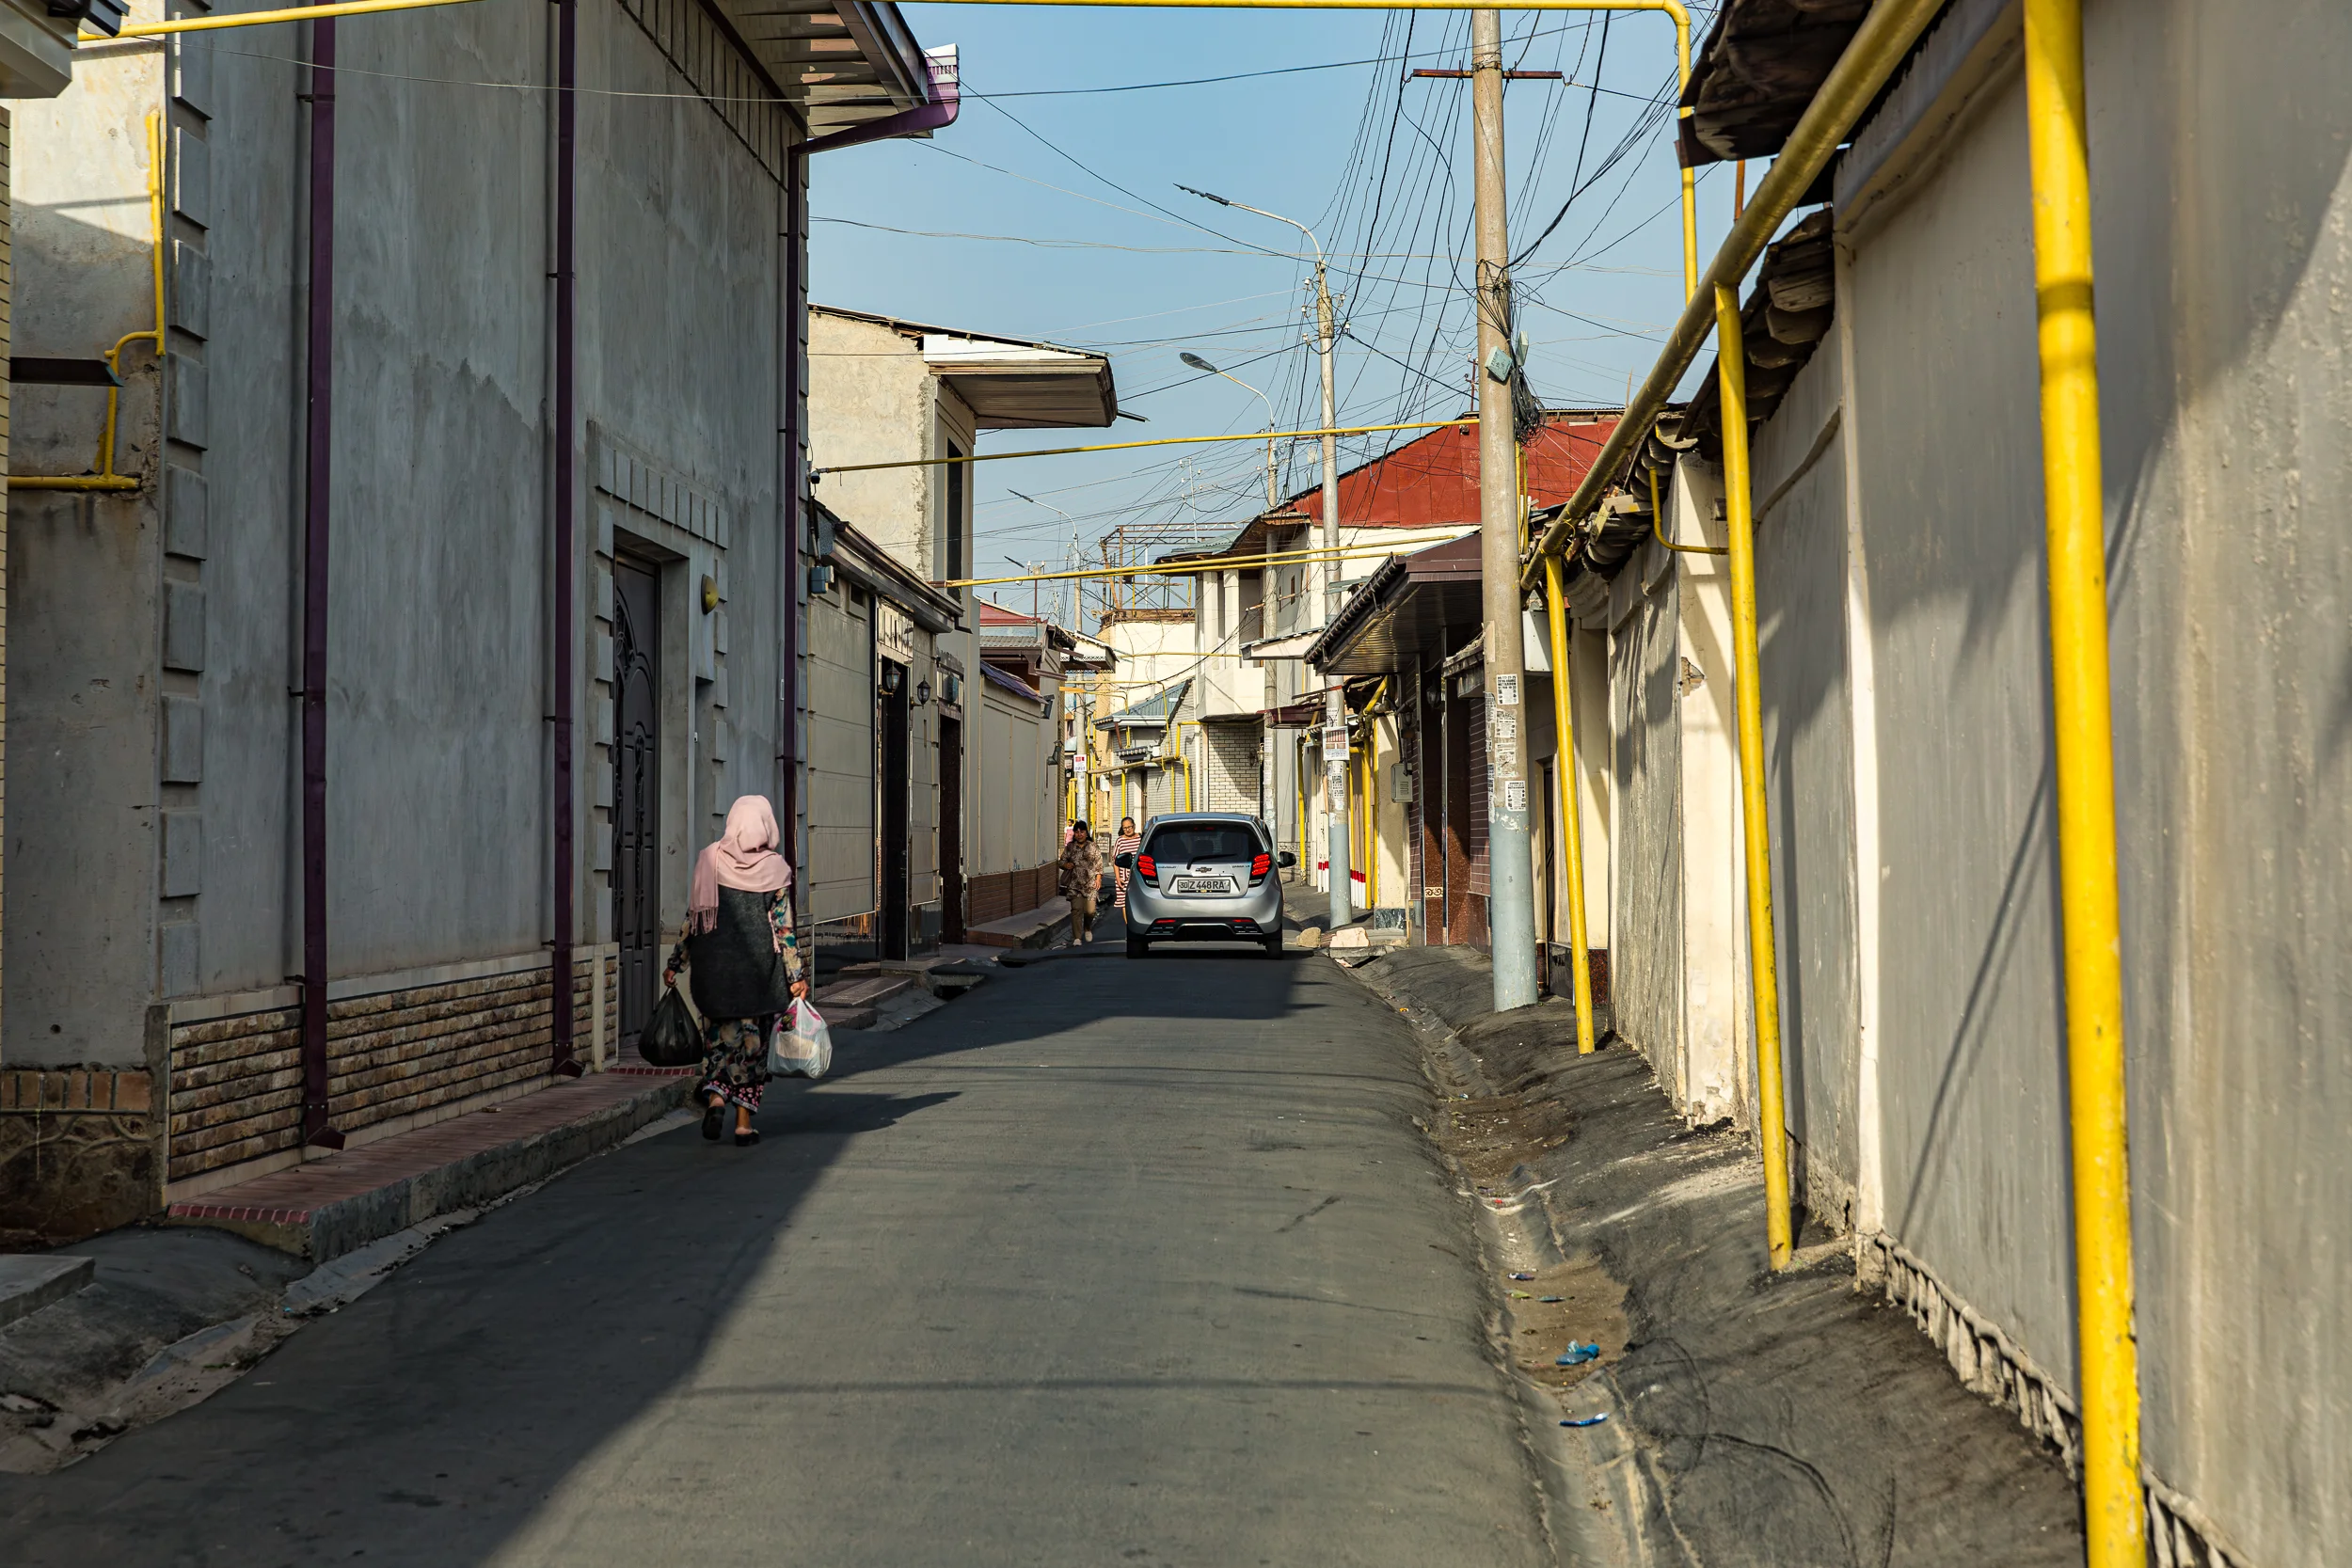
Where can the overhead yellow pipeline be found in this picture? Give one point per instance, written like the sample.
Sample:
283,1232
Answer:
1748,704
1673,10
2114,1519
1571,824
1126,445
1877,47
1219,564
106,478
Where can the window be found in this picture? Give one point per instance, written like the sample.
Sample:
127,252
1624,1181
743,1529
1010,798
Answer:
1201,843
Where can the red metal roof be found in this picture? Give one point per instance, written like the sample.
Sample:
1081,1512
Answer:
1432,481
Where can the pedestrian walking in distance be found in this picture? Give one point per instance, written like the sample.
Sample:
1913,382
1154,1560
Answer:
1127,842
1079,879
741,958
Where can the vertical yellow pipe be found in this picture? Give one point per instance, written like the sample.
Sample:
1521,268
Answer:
1371,809
1571,826
2059,155
1772,1118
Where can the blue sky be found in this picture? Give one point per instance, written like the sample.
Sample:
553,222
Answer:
1377,164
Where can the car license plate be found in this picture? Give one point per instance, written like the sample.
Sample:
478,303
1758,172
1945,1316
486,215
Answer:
1204,884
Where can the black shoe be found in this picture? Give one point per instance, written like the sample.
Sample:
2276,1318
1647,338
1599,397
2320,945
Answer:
712,1119
747,1138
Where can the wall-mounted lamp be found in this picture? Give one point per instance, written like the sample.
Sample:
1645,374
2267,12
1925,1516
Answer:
710,593
922,693
893,677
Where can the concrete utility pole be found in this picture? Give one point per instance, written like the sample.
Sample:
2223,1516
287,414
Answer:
1334,697
1511,906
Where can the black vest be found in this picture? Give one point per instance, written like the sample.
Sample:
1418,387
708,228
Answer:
734,967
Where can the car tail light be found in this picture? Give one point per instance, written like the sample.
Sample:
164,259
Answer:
1259,867
1146,867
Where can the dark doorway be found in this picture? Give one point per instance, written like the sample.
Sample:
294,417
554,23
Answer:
636,790
950,830
891,717
1457,816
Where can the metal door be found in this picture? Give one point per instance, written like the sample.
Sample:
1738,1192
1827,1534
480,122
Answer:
636,791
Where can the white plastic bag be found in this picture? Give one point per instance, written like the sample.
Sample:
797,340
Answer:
803,1045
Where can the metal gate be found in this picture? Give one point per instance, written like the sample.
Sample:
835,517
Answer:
636,791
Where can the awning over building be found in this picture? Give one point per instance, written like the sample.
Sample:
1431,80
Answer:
1010,383
847,63
1147,715
1413,606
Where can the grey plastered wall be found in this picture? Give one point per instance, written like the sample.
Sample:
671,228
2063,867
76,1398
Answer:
1646,882
681,286
1798,469
2221,150
85,579
439,822
1971,1045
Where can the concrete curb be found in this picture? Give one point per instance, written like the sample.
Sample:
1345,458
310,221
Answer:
31,1282
345,1224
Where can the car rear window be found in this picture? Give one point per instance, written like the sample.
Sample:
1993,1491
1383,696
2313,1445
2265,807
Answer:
1190,842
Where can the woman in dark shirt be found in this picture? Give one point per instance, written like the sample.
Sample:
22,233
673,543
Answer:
741,960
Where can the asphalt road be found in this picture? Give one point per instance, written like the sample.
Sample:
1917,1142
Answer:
1110,1262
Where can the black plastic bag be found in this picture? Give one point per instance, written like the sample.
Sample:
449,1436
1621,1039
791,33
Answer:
670,1038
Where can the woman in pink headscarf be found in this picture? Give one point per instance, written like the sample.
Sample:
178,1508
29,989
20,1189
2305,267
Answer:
742,961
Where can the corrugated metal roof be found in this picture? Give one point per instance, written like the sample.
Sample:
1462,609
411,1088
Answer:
1156,711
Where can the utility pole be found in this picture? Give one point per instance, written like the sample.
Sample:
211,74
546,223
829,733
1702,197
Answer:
1511,908
1334,697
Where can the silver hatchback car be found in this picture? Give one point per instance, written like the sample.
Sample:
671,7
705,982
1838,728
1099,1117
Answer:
1206,875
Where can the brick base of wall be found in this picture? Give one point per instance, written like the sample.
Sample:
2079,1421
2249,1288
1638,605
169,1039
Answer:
1004,892
78,1152
236,1080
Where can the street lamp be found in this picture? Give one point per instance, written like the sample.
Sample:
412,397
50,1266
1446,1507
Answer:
1070,608
1200,364
1334,700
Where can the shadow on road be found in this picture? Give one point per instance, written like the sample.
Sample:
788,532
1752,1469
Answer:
433,1419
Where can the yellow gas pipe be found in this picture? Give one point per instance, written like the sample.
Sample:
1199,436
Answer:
1748,702
2114,1519
1571,827
106,478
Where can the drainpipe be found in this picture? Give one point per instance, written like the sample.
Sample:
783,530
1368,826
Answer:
318,459
567,540
788,597
938,114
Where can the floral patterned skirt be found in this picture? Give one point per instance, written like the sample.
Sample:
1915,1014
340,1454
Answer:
735,1058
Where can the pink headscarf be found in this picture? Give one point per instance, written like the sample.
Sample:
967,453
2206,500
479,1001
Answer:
744,858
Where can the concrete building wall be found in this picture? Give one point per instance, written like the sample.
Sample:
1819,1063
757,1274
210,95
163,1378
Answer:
2219,156
871,400
1647,880
1971,1053
1798,469
84,700
162,896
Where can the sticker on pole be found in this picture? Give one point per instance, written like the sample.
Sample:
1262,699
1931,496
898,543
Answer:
1335,744
1507,691
1503,726
1515,795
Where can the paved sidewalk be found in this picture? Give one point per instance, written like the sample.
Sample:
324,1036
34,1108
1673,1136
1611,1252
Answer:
1124,1261
326,1207
1781,1419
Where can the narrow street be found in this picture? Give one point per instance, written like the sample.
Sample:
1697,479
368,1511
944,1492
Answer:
1111,1262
